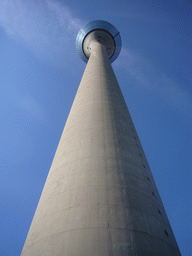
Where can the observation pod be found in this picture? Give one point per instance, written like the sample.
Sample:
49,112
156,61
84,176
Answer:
100,198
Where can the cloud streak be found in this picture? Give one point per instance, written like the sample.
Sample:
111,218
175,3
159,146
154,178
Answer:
29,105
11,99
146,77
47,26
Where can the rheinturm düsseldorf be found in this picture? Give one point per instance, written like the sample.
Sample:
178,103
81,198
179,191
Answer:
100,198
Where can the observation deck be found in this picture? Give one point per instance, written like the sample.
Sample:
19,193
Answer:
102,32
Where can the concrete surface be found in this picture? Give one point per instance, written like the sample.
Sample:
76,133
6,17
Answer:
100,198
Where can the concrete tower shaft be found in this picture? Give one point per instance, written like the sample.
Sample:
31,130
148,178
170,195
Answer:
100,198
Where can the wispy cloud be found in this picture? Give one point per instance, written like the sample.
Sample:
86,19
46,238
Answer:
140,14
46,26
29,105
174,94
10,98
148,78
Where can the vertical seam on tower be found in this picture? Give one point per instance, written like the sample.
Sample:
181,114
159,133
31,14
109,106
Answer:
106,166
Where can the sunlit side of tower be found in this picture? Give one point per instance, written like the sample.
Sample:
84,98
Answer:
100,198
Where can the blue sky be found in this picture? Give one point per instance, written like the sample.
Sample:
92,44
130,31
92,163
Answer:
39,75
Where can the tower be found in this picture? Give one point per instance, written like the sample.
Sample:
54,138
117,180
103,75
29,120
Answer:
100,198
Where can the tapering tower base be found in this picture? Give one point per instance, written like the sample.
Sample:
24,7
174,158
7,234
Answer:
100,198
